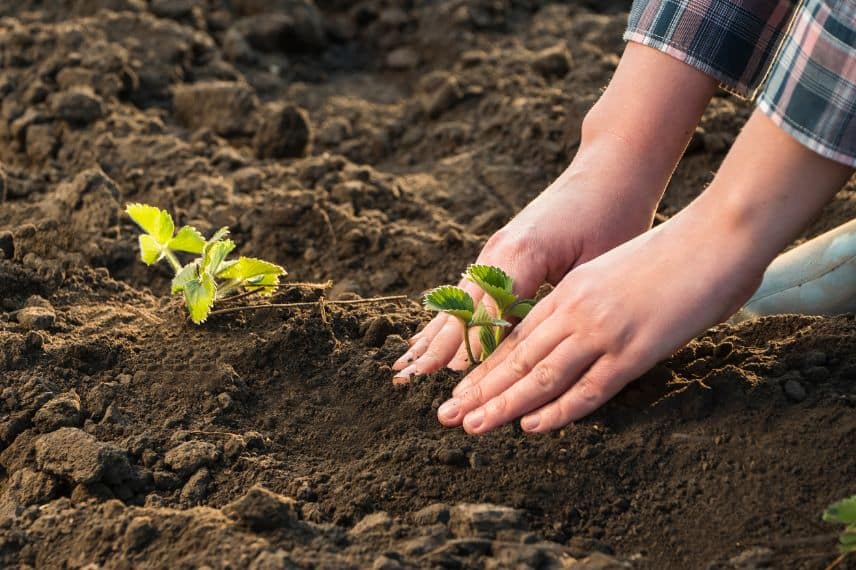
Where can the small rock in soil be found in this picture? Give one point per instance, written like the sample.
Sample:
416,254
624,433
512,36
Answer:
553,62
384,562
254,440
196,488
100,397
83,493
600,561
375,522
284,133
61,411
432,514
140,532
402,58
166,481
277,560
261,509
816,374
377,331
24,488
37,314
452,456
755,557
77,105
190,456
301,29
74,454
113,415
226,107
173,8
483,520
7,241
794,390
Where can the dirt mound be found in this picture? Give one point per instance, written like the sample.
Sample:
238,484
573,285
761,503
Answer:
377,145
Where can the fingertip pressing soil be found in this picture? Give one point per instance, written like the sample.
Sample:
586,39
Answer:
376,145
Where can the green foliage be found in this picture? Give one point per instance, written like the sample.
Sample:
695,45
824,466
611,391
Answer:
452,300
209,277
496,284
844,512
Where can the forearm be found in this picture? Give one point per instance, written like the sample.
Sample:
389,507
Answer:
767,190
646,117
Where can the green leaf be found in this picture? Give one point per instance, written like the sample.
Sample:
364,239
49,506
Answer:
150,250
495,282
154,221
844,511
199,295
248,268
187,273
848,539
521,308
482,318
488,341
452,300
219,234
264,284
214,254
187,239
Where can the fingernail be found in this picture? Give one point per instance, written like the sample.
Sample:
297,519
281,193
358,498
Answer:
474,419
406,373
449,410
413,340
530,423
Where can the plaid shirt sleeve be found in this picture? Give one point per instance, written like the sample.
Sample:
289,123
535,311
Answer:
795,58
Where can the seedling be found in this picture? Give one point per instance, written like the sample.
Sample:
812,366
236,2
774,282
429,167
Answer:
455,301
208,278
844,512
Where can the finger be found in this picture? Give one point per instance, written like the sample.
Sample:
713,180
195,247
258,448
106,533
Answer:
515,366
446,343
601,382
542,311
548,379
420,341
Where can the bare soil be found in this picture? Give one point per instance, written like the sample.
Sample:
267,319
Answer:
377,145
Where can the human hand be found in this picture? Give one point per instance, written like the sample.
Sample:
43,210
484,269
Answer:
606,323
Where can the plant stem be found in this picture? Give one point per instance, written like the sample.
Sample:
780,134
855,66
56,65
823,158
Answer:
468,345
173,260
307,304
837,561
497,331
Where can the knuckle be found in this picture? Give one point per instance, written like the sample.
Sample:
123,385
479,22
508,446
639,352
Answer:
518,362
511,242
589,391
497,406
545,377
474,394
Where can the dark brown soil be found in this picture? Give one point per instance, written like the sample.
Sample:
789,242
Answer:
378,145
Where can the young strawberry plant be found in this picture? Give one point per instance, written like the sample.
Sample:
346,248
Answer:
455,301
208,278
844,512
